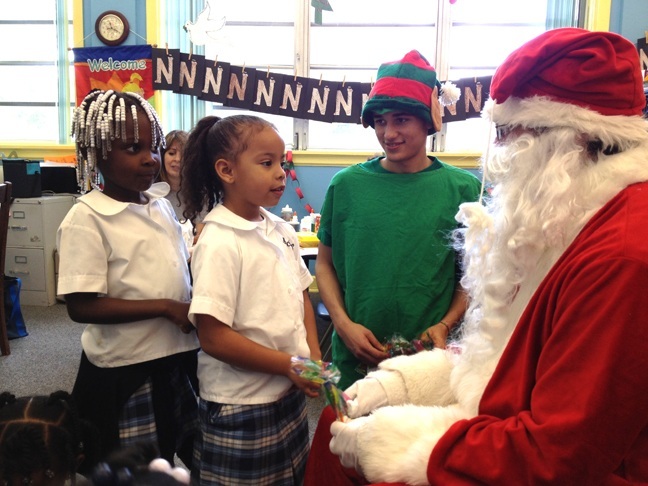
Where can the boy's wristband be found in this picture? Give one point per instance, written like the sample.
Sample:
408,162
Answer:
446,326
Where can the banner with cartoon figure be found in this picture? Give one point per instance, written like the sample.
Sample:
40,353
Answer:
124,68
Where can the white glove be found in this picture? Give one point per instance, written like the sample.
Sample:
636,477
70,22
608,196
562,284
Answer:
378,389
345,440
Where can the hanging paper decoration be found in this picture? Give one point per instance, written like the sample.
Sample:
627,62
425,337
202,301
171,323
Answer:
205,29
287,95
642,48
320,5
289,168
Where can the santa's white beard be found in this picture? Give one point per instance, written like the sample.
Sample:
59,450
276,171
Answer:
545,188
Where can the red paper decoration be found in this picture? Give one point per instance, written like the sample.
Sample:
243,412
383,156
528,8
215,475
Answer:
289,168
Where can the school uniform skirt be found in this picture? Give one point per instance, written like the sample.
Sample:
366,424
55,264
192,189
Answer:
265,444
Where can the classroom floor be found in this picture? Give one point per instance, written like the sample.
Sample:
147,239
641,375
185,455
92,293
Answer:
47,359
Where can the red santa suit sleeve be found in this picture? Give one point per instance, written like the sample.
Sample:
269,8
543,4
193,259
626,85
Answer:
568,401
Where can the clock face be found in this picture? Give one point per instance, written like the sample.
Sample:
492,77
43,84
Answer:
111,27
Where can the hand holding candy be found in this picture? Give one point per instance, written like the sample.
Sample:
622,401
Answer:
325,374
397,345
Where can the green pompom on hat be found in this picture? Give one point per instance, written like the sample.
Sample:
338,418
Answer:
406,85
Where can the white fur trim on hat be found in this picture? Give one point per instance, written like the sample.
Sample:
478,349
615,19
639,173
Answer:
540,112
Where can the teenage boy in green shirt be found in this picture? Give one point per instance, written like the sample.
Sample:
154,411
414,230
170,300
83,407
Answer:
385,262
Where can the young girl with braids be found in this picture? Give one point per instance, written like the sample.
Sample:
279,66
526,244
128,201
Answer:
250,306
123,271
42,440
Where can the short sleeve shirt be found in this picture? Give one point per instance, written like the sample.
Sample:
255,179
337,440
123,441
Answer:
251,278
126,251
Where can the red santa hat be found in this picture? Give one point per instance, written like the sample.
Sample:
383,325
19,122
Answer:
571,77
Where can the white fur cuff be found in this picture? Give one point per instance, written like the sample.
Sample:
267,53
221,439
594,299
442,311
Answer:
426,376
396,442
393,385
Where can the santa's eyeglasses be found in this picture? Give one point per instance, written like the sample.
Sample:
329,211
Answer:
502,132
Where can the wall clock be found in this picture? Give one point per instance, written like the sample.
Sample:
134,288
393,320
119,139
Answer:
112,28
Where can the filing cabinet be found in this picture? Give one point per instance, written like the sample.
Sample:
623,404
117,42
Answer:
31,245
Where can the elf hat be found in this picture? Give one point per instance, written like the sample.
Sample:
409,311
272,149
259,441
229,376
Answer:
407,85
569,77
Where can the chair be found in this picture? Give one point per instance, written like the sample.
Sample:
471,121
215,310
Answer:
5,206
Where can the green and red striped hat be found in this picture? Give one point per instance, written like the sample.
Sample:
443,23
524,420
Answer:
406,85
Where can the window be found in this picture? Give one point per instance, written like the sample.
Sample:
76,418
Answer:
34,75
481,35
258,34
463,39
359,35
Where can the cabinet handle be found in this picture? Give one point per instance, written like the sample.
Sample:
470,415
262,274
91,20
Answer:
18,228
18,272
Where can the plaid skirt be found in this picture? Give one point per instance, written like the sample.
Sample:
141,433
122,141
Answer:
141,421
265,444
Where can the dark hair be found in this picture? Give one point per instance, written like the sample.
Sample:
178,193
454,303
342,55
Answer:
172,137
129,466
43,433
211,139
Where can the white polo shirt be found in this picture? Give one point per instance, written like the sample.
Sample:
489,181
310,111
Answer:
127,251
250,277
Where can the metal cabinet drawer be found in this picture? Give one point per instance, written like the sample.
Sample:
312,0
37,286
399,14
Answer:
28,264
25,225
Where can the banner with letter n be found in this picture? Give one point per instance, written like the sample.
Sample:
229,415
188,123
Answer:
123,68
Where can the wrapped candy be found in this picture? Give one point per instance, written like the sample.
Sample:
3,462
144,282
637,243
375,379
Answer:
336,399
397,345
326,374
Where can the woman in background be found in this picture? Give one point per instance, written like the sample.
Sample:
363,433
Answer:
170,172
172,167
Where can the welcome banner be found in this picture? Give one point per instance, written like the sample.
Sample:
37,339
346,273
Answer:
287,95
125,68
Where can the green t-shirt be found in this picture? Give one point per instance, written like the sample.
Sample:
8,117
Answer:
389,237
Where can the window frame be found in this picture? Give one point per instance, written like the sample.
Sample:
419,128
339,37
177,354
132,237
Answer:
593,15
62,26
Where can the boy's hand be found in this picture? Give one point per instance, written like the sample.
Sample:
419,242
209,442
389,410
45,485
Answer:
363,344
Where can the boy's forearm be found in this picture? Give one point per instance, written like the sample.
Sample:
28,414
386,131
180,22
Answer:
311,328
457,308
329,288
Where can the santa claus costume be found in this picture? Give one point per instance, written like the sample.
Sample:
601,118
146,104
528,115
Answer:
549,384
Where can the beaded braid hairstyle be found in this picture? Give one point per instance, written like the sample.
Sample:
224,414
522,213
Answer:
43,434
211,139
98,121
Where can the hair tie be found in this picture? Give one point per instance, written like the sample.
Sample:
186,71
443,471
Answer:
104,475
